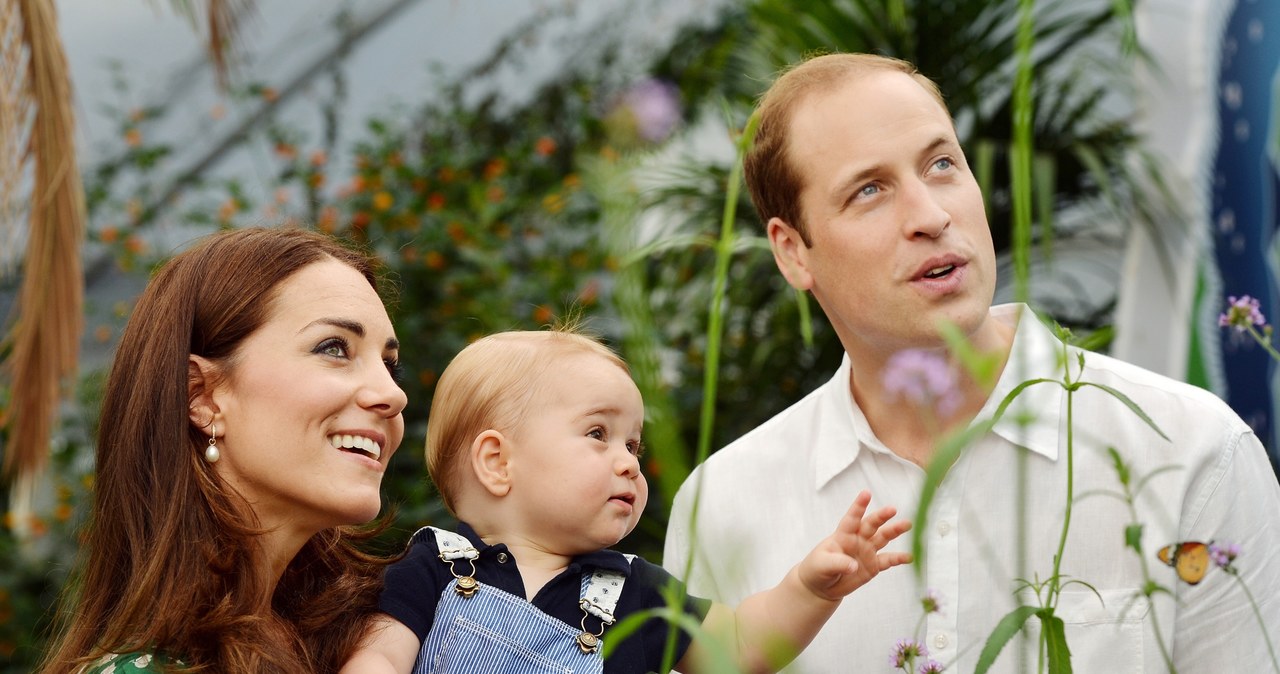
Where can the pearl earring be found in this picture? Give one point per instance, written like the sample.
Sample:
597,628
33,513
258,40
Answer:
211,453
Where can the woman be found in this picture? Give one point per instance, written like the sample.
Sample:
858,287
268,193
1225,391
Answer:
249,415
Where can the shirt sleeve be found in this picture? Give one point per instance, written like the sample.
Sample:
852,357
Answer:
656,585
1236,501
412,586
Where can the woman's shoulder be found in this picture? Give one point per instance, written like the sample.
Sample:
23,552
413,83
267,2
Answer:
129,663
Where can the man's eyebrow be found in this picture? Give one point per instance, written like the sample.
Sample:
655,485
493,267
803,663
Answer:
938,143
845,186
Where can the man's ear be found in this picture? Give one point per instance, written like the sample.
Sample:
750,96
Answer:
491,462
201,376
790,253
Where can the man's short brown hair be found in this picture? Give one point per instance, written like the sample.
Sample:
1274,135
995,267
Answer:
772,178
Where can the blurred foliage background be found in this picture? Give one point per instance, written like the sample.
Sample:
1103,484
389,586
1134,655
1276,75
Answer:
600,195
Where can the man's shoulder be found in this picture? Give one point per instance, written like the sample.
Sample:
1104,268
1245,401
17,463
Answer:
1148,386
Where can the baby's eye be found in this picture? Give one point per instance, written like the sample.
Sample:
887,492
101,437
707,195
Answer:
335,347
636,447
596,434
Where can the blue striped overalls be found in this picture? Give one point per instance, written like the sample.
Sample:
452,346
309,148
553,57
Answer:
479,628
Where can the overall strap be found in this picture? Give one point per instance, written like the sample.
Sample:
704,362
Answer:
600,591
452,547
599,597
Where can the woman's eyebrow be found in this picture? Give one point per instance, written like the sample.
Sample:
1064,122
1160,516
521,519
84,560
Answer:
354,327
351,326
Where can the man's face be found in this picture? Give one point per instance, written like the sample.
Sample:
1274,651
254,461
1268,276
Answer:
900,240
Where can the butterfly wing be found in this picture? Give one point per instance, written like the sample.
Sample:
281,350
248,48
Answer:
1190,559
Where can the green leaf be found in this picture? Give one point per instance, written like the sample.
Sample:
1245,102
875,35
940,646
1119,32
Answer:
982,367
1130,404
1143,482
1055,638
1122,469
1133,537
1008,626
943,458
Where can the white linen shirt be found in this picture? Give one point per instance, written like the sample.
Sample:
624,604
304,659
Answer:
766,499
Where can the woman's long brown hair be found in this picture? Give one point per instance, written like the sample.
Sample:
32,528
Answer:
169,563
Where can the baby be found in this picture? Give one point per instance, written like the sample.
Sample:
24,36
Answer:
534,444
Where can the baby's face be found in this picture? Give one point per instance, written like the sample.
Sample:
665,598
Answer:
575,468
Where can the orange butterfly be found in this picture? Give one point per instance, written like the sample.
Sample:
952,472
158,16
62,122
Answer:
1189,558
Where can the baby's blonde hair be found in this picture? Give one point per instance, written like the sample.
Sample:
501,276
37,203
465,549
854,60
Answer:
489,385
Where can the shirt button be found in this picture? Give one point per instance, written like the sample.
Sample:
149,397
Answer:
502,558
940,641
944,528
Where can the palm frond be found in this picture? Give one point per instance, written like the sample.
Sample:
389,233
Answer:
222,20
15,122
46,333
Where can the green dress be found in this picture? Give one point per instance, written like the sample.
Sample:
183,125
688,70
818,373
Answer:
130,663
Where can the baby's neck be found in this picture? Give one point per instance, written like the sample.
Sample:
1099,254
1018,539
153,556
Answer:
537,564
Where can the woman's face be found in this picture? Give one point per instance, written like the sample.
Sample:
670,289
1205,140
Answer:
309,413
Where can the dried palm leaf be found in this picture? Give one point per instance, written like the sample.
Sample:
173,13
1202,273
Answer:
223,19
45,338
15,123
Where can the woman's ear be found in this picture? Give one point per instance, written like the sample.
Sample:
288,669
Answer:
490,461
201,408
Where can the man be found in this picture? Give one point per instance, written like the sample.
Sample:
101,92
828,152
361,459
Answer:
870,205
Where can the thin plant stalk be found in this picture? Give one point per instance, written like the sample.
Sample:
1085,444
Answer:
1020,186
711,375
1129,497
1253,603
1263,342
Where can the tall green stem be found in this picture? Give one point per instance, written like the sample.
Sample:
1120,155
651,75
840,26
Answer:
1020,184
1275,663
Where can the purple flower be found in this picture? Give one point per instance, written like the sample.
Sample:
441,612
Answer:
931,666
1223,555
923,377
653,109
1242,313
931,601
906,651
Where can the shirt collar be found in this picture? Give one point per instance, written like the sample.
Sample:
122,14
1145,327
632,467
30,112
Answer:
1036,353
608,560
1032,420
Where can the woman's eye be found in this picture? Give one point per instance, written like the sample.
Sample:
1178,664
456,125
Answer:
943,164
868,190
335,347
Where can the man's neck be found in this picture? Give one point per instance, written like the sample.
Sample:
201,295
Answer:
913,430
